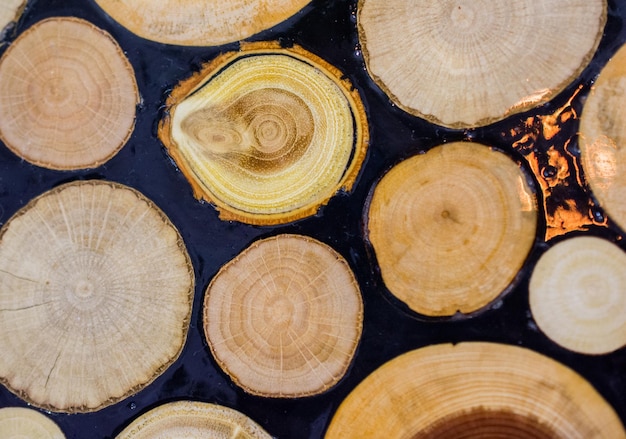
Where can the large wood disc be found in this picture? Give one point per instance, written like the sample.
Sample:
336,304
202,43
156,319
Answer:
96,290
67,95
284,318
577,295
193,419
466,63
475,390
602,138
267,134
452,227
199,22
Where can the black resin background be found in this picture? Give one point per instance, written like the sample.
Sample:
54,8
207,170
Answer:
328,29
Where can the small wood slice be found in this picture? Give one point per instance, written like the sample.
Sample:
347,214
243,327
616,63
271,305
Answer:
199,22
577,295
284,318
67,95
10,10
602,138
267,134
475,390
96,289
193,419
23,423
467,63
452,227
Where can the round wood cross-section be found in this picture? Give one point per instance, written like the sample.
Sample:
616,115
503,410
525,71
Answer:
466,63
199,22
193,419
602,138
452,227
475,390
96,290
266,134
576,294
23,423
283,318
67,95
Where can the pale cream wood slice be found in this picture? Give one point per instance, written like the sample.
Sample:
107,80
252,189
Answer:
24,423
475,390
10,10
193,419
284,317
267,134
602,138
199,22
577,295
68,95
467,63
451,228
96,289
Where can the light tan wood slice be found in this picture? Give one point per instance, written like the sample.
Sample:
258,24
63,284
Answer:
67,95
577,295
96,289
24,423
602,138
452,227
193,419
475,390
466,63
199,22
266,134
284,318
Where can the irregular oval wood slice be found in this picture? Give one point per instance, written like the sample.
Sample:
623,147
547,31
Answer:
602,138
475,390
452,227
577,296
23,423
266,134
283,318
96,290
192,419
67,95
199,22
9,12
465,63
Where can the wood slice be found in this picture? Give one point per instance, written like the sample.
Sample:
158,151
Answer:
602,138
199,22
67,95
284,318
451,228
96,289
475,390
467,63
10,10
267,134
193,419
23,423
577,295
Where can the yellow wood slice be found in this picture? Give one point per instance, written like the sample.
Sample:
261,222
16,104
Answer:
96,289
267,134
452,227
193,419
199,22
602,138
283,318
475,390
23,423
67,95
466,63
577,295
10,10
